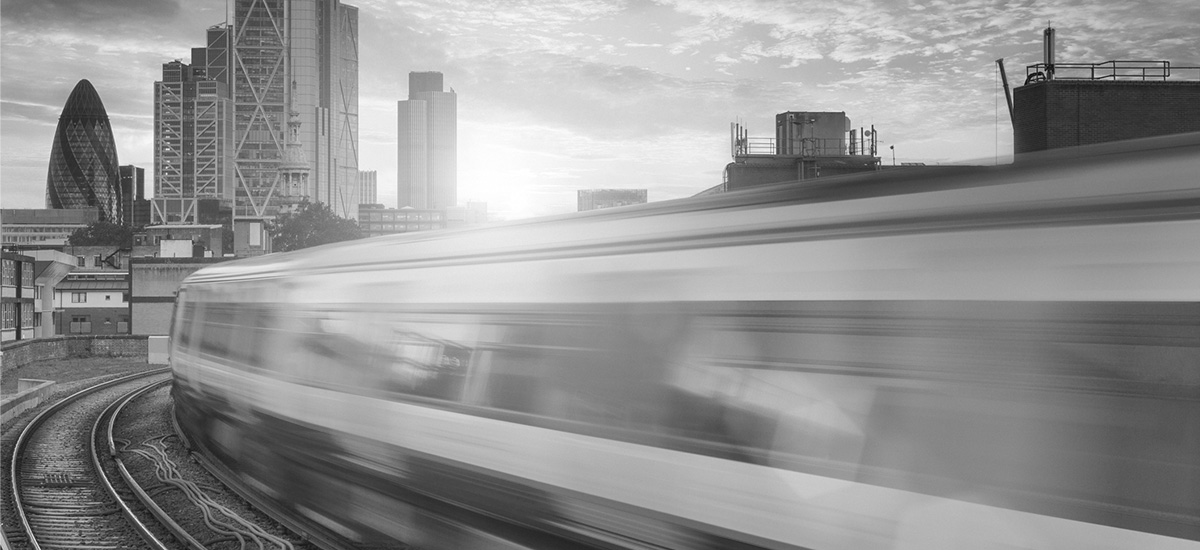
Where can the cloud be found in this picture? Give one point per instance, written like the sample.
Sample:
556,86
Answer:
74,13
638,90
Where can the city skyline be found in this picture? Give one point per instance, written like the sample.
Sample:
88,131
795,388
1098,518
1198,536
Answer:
556,98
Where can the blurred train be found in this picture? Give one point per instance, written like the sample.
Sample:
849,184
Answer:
1000,357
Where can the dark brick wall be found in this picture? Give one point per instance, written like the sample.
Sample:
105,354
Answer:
22,353
1066,113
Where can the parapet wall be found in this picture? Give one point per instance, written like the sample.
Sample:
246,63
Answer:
24,352
1069,113
30,394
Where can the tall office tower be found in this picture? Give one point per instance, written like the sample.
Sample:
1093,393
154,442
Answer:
302,56
427,124
133,196
83,159
368,190
193,138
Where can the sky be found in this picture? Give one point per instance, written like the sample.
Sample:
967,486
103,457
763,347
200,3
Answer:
556,96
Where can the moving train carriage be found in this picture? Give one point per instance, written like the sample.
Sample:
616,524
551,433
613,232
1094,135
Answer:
1010,360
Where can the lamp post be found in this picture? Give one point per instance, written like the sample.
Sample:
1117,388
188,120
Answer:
893,148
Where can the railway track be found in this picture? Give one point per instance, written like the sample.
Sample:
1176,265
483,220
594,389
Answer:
61,493
102,469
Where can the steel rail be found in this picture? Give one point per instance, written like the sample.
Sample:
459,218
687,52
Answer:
27,433
111,413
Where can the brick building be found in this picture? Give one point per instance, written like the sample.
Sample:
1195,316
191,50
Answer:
1083,104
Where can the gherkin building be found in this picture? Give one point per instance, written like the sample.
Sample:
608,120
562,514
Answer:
84,170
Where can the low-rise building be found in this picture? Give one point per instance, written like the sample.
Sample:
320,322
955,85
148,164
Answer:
206,239
50,268
806,145
375,220
17,296
595,199
154,284
43,226
89,301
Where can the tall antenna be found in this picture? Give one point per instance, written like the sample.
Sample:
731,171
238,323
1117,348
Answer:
1048,50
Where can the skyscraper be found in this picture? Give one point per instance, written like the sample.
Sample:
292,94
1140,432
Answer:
275,58
84,170
301,57
368,186
133,196
193,137
427,128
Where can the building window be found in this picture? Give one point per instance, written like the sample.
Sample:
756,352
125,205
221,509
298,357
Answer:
10,273
78,297
9,316
80,324
80,261
107,297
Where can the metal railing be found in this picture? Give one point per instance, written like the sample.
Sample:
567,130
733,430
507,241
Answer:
1135,70
808,147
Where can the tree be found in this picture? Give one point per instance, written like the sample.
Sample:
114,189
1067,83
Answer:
311,224
102,233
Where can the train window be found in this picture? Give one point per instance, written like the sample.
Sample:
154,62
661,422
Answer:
425,367
602,367
218,330
266,329
742,381
183,327
513,380
283,351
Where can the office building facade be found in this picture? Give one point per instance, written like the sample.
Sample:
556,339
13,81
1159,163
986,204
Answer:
193,137
368,186
133,196
279,57
43,226
302,56
17,301
83,158
427,153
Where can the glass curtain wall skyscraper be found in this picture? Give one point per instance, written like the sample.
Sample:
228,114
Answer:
302,56
84,170
281,56
427,156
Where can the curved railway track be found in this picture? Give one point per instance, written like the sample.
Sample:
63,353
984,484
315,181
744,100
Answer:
61,493
100,470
